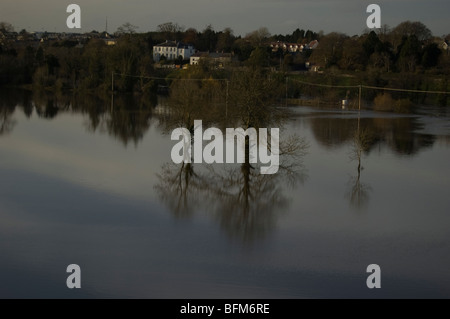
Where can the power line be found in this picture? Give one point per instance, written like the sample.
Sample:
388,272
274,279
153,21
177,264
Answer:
370,87
298,81
404,90
326,85
158,78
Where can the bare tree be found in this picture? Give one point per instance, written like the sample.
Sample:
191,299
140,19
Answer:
383,32
170,27
253,97
416,28
192,100
126,28
245,202
225,40
257,37
6,27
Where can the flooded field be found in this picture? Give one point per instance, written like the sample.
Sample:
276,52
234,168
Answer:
95,186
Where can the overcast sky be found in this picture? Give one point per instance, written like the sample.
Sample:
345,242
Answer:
243,16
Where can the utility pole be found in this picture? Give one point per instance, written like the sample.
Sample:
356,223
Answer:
359,104
112,91
359,107
287,91
226,102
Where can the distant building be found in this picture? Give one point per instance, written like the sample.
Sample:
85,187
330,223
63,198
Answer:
313,67
446,46
172,50
195,58
293,47
220,59
8,36
110,41
108,38
313,44
289,47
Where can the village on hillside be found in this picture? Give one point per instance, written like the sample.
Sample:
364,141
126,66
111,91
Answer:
87,60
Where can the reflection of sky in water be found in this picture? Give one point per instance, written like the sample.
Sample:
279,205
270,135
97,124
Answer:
70,196
66,151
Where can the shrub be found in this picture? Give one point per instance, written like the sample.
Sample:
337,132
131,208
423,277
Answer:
383,102
403,106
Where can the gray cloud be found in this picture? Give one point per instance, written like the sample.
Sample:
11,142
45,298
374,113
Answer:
243,16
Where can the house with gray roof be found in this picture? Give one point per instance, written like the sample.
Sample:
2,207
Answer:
172,50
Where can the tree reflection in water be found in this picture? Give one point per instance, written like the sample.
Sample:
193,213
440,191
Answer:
8,102
245,202
400,134
7,122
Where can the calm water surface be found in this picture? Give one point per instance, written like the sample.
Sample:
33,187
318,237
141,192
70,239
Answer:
81,184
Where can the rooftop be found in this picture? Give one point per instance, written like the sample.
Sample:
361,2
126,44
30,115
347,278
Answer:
173,44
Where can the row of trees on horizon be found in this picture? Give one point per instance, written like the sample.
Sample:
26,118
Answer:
65,64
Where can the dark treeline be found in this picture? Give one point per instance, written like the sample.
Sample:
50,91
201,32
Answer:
89,64
408,48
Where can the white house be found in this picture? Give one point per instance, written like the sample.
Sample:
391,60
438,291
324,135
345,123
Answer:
172,50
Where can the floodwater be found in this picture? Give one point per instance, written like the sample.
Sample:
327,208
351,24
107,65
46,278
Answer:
92,184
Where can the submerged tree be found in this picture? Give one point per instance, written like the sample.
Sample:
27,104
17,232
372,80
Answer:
253,96
244,201
359,193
